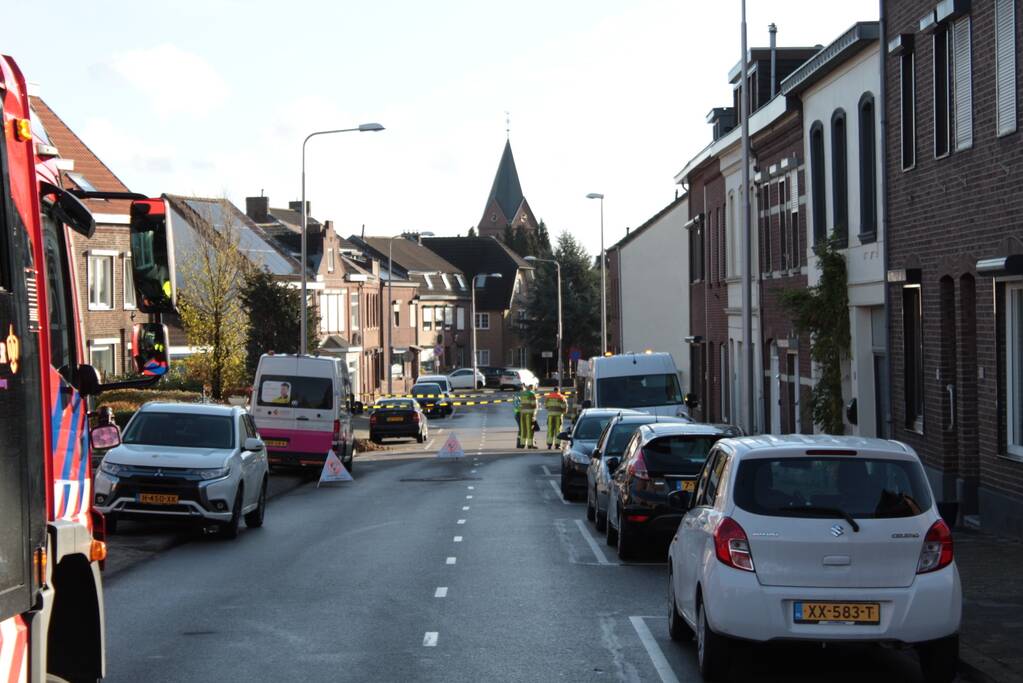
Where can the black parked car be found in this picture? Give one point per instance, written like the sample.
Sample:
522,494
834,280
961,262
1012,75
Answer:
579,441
492,374
611,445
397,417
433,399
658,460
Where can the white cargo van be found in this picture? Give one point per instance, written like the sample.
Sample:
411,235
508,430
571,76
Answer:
302,409
647,382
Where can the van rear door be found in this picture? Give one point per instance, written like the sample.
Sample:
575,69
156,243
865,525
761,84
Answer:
316,390
271,403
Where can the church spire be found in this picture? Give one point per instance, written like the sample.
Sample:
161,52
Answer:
506,205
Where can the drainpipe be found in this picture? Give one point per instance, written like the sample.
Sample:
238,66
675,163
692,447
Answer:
773,30
883,207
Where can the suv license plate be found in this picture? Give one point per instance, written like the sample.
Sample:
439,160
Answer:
836,612
158,498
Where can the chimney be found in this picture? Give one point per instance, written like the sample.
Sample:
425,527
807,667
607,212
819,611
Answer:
773,30
328,230
297,206
258,209
374,265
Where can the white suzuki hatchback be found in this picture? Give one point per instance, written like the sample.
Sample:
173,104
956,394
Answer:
814,538
184,461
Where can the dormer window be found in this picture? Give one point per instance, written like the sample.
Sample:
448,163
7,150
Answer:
461,282
429,282
447,283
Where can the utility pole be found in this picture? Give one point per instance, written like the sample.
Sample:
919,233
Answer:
747,252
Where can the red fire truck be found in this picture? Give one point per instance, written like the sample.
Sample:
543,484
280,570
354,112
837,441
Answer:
51,541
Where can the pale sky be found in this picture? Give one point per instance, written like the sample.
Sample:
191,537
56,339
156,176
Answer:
213,98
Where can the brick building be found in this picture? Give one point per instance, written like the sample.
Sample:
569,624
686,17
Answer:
103,261
955,248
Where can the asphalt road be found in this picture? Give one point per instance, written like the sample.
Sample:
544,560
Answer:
426,569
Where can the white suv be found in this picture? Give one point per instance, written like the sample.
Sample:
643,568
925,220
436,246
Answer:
186,461
814,538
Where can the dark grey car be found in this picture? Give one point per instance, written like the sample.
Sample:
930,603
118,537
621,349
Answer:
579,441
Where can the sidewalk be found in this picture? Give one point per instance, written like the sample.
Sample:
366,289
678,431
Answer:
991,640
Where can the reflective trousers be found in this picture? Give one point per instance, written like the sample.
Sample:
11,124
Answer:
553,427
526,427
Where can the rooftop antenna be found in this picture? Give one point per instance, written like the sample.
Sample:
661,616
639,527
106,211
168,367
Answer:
507,125
363,231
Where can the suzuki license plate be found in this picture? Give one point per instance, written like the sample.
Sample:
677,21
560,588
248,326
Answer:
836,612
158,498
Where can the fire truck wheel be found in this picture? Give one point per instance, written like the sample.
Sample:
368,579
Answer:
229,530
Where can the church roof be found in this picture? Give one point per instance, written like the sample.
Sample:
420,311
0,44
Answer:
506,188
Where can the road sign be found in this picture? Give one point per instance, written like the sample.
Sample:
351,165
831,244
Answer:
575,354
451,448
333,471
547,354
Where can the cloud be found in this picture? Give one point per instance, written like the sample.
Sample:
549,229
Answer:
174,81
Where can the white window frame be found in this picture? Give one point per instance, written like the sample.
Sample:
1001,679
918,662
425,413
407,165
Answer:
412,322
128,278
354,306
482,320
460,318
92,257
482,356
105,343
1013,344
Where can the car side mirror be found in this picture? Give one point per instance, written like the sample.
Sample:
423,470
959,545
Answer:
105,437
679,500
253,444
564,436
612,464
149,349
691,400
152,254
586,404
595,453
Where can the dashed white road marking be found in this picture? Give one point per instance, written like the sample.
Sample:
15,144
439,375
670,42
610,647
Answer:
461,521
465,507
471,488
557,490
547,471
451,560
429,445
430,639
441,592
472,471
458,539
469,497
657,657
601,557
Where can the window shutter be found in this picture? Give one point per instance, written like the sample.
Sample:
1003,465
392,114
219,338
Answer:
1005,64
794,191
963,83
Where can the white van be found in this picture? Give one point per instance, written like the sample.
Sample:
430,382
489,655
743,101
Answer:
302,409
647,382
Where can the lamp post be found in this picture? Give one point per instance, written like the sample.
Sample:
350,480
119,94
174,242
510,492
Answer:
362,128
390,308
557,265
472,288
603,276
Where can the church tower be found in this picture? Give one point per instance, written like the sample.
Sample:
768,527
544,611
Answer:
506,204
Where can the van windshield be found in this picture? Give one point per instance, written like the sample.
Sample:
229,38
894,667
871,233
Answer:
639,391
816,487
315,393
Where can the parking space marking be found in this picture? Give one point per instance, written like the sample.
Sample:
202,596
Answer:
557,491
429,445
458,539
461,521
430,639
441,592
601,557
451,560
653,650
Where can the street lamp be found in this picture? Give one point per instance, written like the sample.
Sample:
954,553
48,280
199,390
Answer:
390,307
472,287
362,128
603,276
558,266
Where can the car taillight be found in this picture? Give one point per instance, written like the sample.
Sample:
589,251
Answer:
337,429
373,419
732,546
415,417
638,467
937,550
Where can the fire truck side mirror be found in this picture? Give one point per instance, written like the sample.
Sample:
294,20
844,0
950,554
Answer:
152,256
149,349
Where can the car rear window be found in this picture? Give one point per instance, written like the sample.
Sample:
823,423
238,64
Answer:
316,393
393,404
184,430
426,390
620,435
815,487
678,453
639,391
589,428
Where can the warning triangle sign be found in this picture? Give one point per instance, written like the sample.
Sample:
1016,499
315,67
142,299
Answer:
333,470
451,448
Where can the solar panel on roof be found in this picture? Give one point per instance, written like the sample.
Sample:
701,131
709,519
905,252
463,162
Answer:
251,244
79,180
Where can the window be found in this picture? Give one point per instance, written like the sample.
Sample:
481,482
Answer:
839,178
1005,65
722,245
354,308
101,280
101,357
723,353
396,313
1014,367
696,249
129,284
62,334
428,318
942,91
412,315
913,355
765,229
482,321
818,206
483,357
449,317
783,225
330,262
963,98
730,238
639,391
868,170
460,319
907,78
